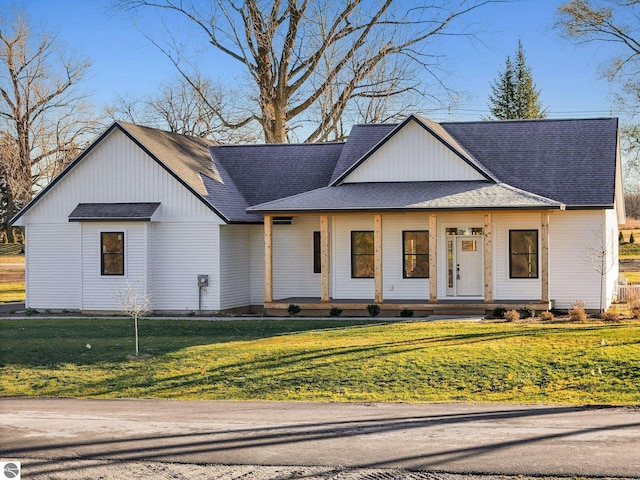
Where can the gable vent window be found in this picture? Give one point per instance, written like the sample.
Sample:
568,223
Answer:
282,220
112,253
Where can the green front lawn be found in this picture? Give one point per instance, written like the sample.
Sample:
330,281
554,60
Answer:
323,360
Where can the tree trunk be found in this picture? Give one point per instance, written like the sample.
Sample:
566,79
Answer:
11,210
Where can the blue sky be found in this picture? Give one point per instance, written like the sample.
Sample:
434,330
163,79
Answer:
124,61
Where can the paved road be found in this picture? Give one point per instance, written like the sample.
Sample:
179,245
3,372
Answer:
458,438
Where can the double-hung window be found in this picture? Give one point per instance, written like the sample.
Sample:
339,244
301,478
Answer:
112,253
523,254
362,253
415,254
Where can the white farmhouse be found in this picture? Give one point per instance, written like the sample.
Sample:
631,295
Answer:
438,217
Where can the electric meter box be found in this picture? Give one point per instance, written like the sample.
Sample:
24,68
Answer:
203,280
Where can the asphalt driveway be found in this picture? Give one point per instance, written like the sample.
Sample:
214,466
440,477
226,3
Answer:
458,438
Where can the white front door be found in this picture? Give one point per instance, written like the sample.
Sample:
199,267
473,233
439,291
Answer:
469,266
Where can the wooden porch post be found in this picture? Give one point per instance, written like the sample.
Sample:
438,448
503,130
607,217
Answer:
544,257
433,258
377,257
268,259
324,258
488,259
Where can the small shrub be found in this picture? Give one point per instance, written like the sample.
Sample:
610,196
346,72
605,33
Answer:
546,316
406,312
373,309
527,312
620,238
610,316
293,309
335,311
498,312
30,311
633,301
512,316
577,313
632,239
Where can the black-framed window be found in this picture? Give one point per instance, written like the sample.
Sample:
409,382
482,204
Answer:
523,253
415,254
112,253
362,254
317,251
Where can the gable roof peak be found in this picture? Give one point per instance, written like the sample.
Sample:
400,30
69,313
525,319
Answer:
432,127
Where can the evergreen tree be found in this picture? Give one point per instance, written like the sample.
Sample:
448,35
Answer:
514,93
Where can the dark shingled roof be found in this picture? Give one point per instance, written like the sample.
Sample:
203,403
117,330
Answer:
572,161
266,172
114,211
409,196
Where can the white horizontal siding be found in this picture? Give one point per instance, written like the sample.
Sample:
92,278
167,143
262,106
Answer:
117,170
256,233
611,264
293,259
505,288
412,155
346,287
179,253
99,292
53,266
235,269
395,287
571,275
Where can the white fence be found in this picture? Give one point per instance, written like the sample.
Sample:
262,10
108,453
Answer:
628,292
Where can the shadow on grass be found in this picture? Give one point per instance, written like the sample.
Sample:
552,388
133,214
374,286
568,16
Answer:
89,341
324,368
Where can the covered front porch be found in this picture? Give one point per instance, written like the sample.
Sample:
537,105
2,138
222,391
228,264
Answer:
436,293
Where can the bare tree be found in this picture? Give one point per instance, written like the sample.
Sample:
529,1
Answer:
135,302
180,107
600,254
298,53
42,114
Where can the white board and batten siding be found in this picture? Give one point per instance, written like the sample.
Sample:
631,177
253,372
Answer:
412,155
182,244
